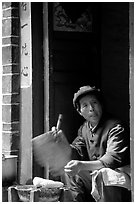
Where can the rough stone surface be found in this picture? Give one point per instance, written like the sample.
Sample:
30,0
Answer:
11,99
11,83
10,113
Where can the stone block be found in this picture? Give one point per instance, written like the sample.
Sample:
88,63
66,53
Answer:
6,84
6,27
6,55
10,113
6,142
14,12
11,99
6,5
10,54
16,26
14,126
10,26
15,54
10,142
10,40
10,83
7,69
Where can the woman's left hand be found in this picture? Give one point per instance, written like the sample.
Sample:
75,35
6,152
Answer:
73,167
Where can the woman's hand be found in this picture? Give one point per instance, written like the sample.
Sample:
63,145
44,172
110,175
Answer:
73,167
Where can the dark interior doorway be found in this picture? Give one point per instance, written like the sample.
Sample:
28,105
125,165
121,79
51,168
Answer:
37,76
98,57
74,61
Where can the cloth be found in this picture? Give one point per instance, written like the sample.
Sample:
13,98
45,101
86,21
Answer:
108,177
80,187
107,142
95,186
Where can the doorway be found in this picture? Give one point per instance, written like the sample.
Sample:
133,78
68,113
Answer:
74,59
63,62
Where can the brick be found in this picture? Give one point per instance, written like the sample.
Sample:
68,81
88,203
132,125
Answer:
10,54
7,84
7,69
10,83
10,141
10,4
15,114
14,126
6,5
15,54
6,27
15,26
9,99
10,40
16,83
6,55
10,27
11,12
10,113
6,141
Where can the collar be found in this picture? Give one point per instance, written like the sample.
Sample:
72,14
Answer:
100,123
92,129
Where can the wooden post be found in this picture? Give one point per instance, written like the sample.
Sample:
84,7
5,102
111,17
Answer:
26,93
46,70
131,89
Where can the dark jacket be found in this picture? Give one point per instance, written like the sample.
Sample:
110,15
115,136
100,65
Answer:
108,142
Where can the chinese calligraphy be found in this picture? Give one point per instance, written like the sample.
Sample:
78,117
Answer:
24,49
24,6
25,19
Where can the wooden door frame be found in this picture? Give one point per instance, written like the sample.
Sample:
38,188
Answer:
46,73
131,90
46,65
25,153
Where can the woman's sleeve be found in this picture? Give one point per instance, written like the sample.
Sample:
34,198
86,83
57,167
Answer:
78,146
117,152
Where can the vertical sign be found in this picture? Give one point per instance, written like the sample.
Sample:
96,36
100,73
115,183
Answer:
26,59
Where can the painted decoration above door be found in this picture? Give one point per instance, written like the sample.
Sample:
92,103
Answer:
72,17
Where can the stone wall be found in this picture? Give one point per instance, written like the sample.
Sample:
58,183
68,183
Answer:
10,77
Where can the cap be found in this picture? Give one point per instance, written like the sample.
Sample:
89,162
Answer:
83,91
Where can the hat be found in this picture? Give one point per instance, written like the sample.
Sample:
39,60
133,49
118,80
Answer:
83,91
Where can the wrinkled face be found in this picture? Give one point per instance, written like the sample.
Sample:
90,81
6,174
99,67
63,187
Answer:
90,109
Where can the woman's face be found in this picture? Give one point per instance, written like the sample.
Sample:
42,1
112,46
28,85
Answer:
90,109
